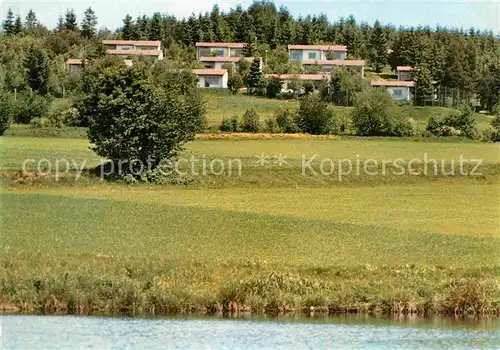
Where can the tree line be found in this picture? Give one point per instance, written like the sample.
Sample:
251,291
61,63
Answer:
452,66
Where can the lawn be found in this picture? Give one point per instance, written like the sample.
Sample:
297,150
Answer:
270,240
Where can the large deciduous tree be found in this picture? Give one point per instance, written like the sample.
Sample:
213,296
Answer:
136,121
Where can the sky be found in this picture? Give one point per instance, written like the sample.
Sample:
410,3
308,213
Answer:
458,13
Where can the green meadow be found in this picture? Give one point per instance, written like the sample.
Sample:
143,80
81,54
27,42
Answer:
268,240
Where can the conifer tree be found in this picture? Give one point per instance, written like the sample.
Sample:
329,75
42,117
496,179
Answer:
89,23
8,24
378,47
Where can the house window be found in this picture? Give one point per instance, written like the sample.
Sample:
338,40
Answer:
218,52
312,55
296,55
236,52
340,55
328,69
397,92
204,52
212,81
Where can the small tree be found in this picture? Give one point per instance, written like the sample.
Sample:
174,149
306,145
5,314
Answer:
273,87
29,106
254,79
343,88
376,114
455,123
36,65
134,121
235,82
286,121
250,121
314,116
6,112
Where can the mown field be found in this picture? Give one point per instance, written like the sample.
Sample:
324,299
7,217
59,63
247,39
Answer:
268,240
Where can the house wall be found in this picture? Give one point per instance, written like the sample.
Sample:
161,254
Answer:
74,67
235,52
400,93
125,47
222,81
207,51
404,76
320,55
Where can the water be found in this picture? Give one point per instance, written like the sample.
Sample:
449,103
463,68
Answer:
79,332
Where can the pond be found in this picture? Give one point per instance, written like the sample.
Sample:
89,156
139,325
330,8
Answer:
82,332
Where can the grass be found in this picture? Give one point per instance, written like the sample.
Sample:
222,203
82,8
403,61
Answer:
179,250
268,241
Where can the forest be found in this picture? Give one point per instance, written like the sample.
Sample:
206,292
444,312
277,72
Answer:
464,64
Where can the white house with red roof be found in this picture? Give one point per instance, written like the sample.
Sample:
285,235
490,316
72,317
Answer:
126,49
399,90
211,78
204,49
404,73
328,57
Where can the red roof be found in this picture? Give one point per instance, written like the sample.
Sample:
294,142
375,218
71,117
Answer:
358,63
230,45
393,83
132,42
318,47
210,71
219,59
404,68
135,52
298,76
74,61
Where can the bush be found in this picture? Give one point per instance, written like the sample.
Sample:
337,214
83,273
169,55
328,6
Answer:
6,112
314,116
250,121
64,114
376,114
271,125
273,88
136,121
30,106
455,124
285,120
225,125
229,125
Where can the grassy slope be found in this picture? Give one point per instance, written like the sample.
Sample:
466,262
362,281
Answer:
386,246
16,149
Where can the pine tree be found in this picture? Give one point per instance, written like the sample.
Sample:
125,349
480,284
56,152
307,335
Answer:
127,29
31,22
424,90
18,26
156,29
89,23
142,28
37,67
254,78
248,49
378,47
60,24
70,22
8,24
